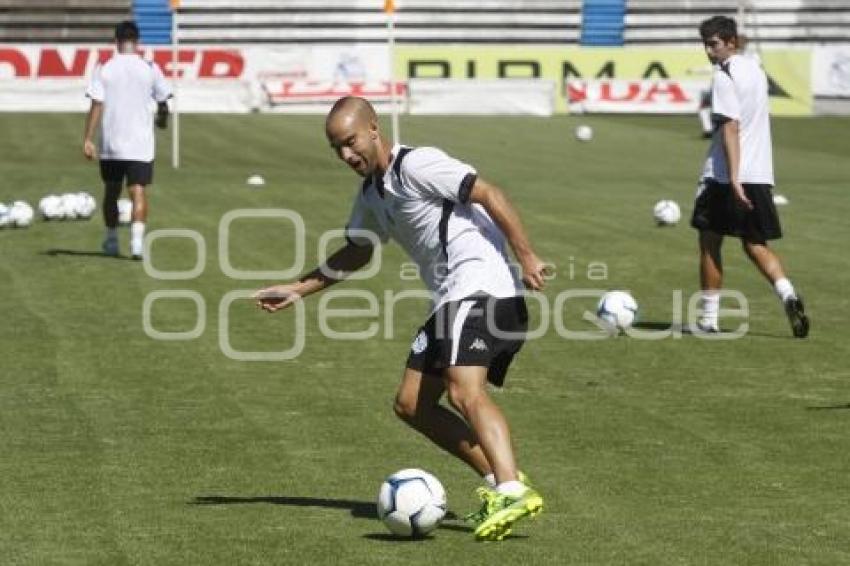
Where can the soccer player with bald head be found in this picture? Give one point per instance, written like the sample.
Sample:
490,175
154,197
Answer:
457,228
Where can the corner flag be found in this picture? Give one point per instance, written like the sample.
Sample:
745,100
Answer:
175,73
389,9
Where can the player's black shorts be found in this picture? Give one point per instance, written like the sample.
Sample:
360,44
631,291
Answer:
136,172
477,331
717,210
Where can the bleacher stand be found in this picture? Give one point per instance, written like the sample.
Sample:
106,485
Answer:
764,21
570,22
61,21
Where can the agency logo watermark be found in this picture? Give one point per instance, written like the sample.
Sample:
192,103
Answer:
375,313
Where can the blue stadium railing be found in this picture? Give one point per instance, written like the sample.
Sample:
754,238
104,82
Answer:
154,20
603,22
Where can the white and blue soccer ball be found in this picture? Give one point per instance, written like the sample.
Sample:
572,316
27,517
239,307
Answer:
666,213
618,310
411,503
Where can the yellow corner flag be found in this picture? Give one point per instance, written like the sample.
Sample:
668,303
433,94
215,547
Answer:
389,6
175,4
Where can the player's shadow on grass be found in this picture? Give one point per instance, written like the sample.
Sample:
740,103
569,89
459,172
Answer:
687,330
828,407
358,509
53,252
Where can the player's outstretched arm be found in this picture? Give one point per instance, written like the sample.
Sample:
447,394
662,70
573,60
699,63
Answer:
503,213
346,260
92,120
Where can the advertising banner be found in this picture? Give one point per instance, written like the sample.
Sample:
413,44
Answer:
831,71
307,78
212,78
662,96
787,69
530,97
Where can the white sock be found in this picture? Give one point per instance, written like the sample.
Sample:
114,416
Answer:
111,233
490,480
784,289
710,306
513,488
137,231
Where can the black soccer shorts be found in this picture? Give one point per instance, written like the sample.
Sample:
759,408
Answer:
717,210
477,331
114,171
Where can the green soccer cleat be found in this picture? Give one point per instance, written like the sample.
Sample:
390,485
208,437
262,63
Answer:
485,494
504,511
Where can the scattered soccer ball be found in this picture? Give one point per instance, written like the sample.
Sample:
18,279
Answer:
256,181
125,210
4,215
780,200
50,207
68,206
86,205
584,133
411,503
20,214
617,310
666,213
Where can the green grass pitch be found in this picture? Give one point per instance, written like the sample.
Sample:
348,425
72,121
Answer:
121,449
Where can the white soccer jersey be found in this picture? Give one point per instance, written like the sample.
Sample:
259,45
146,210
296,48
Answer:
126,85
422,202
739,92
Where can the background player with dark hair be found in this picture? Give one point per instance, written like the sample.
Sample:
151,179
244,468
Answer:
121,92
735,195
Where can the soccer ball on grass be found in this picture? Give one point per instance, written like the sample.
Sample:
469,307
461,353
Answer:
617,310
666,213
411,503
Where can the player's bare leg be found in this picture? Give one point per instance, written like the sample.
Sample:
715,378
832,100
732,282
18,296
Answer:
711,263
418,404
140,215
765,259
711,279
770,266
512,500
140,202
467,392
111,192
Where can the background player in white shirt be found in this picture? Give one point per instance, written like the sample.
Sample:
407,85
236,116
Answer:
122,92
456,227
735,195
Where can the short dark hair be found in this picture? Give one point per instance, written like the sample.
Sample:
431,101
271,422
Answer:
723,27
127,31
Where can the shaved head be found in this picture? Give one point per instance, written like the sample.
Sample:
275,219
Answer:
354,133
352,110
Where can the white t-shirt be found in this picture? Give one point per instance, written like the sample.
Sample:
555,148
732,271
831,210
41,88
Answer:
126,85
423,204
739,91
